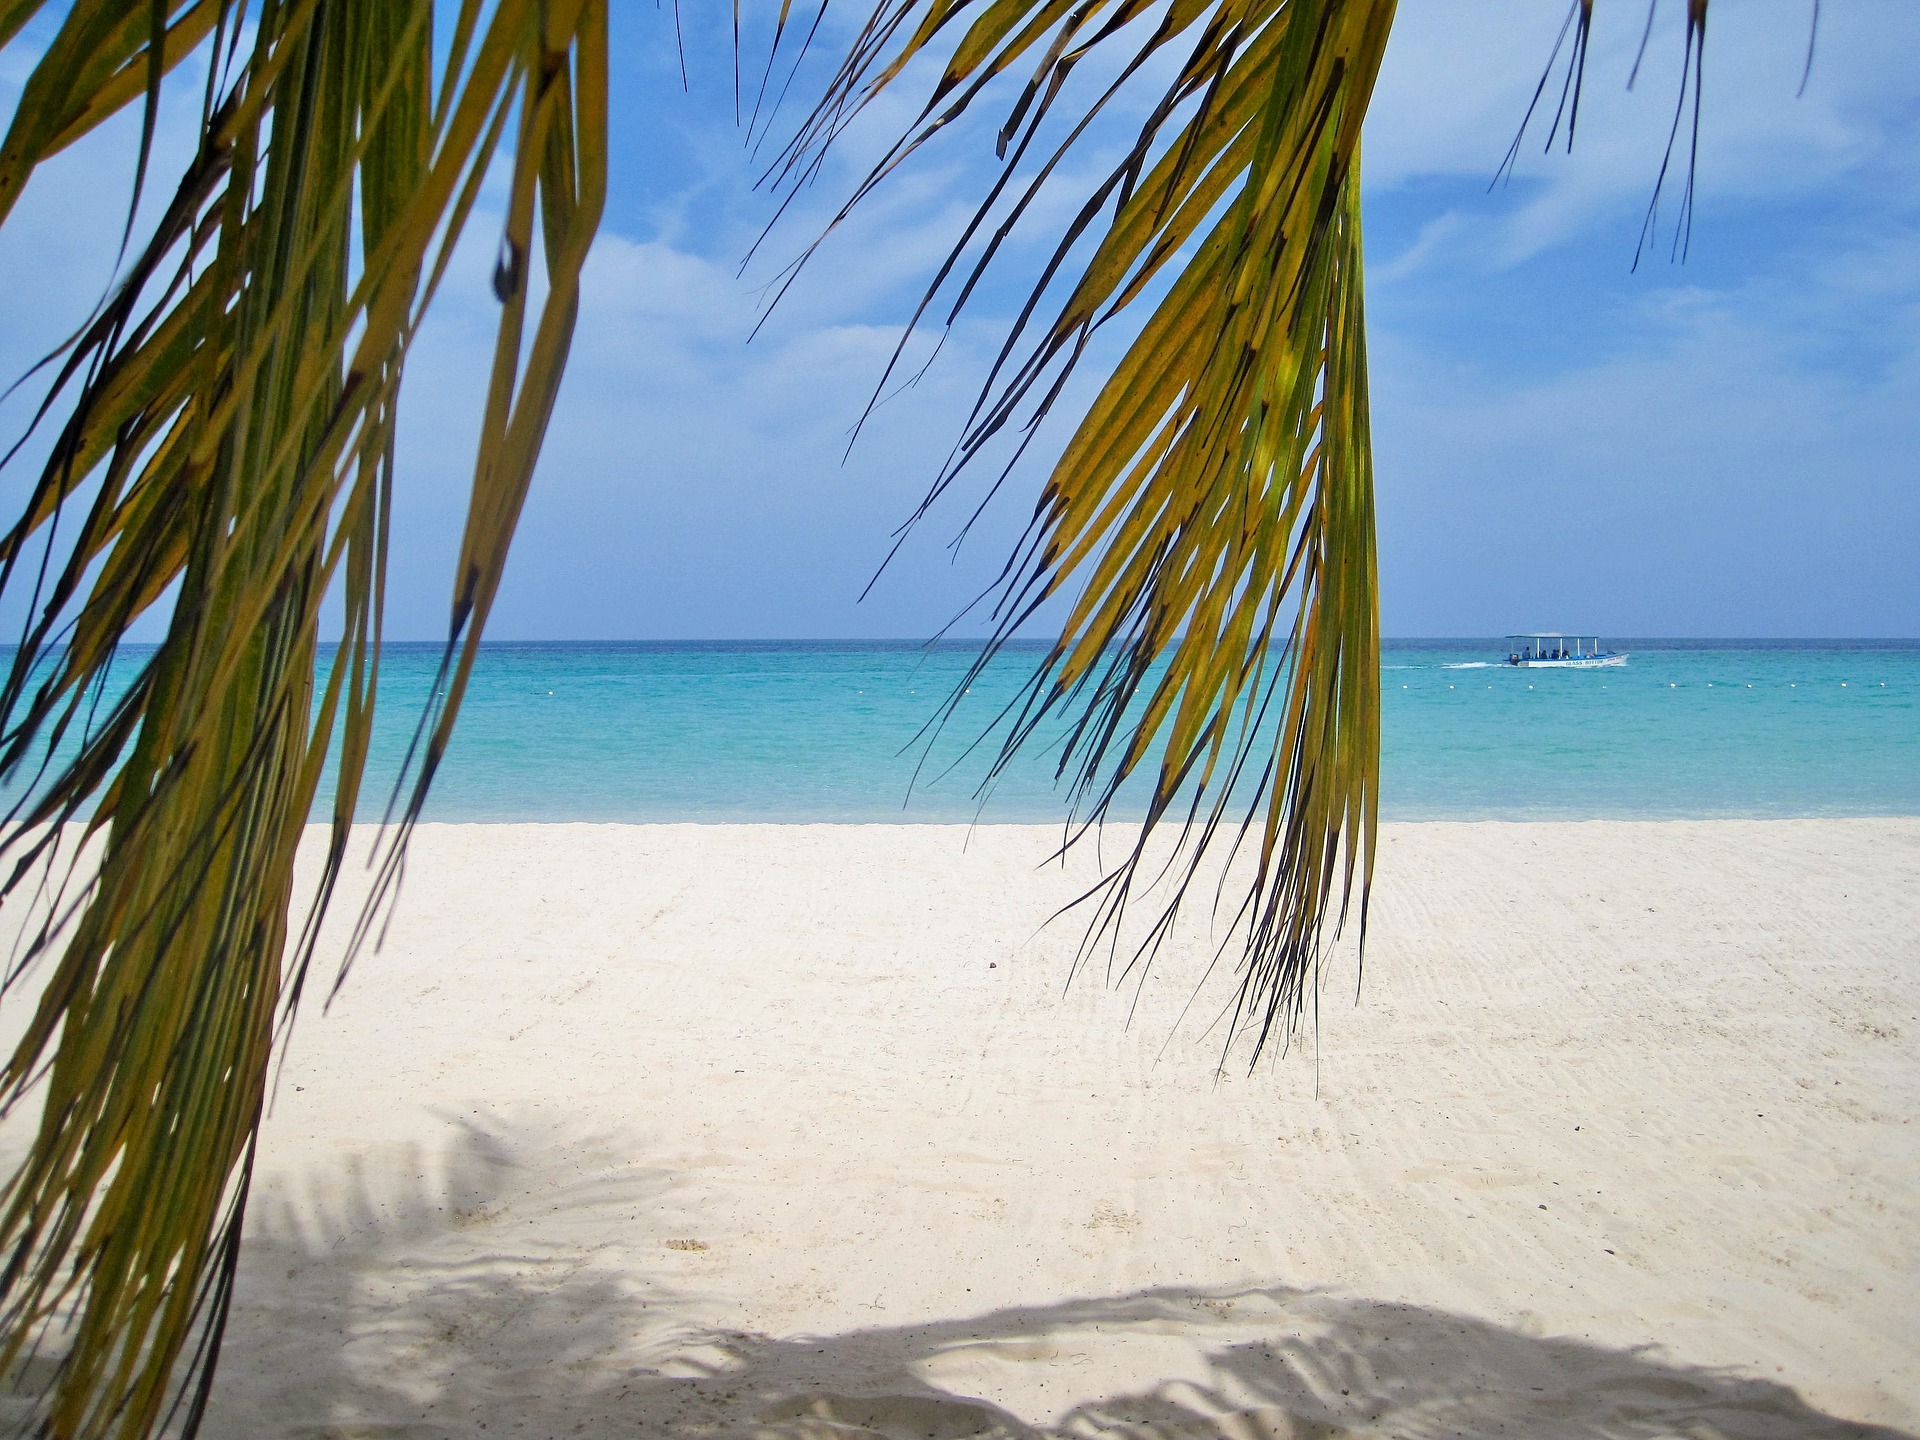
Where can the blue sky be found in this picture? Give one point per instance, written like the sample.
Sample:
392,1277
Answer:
1724,447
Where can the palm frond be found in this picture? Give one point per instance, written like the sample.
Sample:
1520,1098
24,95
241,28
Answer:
1214,505
1693,58
225,423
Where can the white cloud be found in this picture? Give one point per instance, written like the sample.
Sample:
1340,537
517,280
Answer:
1459,75
1725,475
694,484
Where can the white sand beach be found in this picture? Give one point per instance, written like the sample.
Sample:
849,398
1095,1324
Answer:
800,1130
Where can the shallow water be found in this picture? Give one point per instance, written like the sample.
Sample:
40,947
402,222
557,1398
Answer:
800,731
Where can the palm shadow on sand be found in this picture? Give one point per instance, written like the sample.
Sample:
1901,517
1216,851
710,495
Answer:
388,1319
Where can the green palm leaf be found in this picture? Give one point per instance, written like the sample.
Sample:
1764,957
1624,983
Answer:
229,417
224,425
1214,506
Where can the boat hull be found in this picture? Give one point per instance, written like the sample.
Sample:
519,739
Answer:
1585,662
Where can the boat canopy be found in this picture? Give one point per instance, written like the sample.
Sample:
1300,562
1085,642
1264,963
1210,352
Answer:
1543,644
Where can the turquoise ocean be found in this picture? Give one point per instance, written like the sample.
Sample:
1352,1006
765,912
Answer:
833,732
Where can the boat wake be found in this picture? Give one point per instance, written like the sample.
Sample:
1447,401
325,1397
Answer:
1470,665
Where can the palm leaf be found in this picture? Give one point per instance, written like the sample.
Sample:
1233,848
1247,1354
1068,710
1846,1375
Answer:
1214,506
225,422
1212,514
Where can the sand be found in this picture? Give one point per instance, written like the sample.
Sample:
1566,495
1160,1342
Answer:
800,1131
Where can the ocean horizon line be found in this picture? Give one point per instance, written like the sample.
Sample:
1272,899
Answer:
1029,642
1025,643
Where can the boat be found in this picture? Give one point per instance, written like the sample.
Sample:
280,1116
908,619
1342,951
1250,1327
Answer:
1554,651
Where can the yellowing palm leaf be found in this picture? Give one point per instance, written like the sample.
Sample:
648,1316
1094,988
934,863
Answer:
232,409
1215,503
